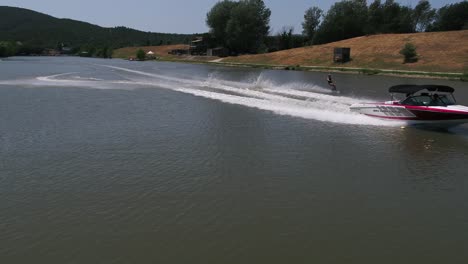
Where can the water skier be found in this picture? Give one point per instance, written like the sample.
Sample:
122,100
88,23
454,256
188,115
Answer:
331,83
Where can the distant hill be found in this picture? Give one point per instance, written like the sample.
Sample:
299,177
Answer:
34,29
438,51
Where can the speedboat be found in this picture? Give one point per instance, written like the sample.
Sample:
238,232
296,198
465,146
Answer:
422,104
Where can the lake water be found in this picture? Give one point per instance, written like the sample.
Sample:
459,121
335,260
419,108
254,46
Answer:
110,161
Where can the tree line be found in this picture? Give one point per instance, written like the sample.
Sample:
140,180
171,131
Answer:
243,26
7,48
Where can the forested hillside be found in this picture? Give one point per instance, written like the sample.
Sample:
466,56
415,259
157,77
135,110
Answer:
31,32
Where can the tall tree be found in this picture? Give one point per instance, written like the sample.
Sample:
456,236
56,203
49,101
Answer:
140,54
389,17
218,18
374,18
451,17
345,19
8,48
312,18
285,37
242,26
423,15
405,20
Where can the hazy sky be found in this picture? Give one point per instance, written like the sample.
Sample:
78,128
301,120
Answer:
172,16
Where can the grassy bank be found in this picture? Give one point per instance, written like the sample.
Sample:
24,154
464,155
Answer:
440,55
366,71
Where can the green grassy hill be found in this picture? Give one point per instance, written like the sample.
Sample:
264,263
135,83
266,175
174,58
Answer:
43,31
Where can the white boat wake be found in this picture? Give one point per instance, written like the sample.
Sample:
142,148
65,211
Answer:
293,99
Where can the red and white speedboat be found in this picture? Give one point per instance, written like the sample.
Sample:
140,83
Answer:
423,104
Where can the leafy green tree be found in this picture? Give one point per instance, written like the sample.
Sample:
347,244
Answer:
345,19
277,42
109,53
451,17
423,15
285,37
405,20
374,18
218,18
391,13
242,26
311,22
141,54
104,52
3,51
8,48
409,52
395,18
27,49
389,17
248,26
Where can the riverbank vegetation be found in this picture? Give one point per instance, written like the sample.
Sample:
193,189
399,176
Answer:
7,48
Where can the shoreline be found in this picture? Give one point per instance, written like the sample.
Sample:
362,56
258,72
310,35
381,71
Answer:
441,55
453,76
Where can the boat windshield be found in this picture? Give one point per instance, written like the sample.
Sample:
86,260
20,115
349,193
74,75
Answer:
428,100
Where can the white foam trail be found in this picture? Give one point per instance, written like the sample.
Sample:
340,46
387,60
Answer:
86,78
310,95
263,82
75,81
261,94
264,94
159,76
235,87
30,82
291,110
53,78
80,82
325,107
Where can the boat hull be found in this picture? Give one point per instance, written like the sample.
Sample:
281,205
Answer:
414,115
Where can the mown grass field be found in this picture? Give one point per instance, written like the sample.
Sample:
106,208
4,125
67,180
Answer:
437,52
